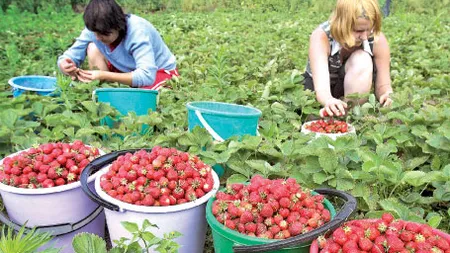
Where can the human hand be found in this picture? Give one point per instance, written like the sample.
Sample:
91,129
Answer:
334,107
68,67
385,99
87,76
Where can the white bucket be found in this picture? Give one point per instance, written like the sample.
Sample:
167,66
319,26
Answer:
189,218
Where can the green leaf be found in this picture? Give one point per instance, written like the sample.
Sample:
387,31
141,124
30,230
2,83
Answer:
415,178
329,161
411,164
320,177
8,118
130,226
85,242
434,221
236,179
393,205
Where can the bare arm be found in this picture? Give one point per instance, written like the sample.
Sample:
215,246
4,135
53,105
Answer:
382,59
90,75
319,50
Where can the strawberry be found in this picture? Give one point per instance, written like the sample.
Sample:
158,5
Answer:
365,244
250,227
387,218
395,243
295,228
339,236
443,244
266,211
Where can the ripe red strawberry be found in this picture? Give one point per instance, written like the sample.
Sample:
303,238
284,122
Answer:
372,233
266,211
406,236
250,227
295,228
365,244
387,217
339,236
395,243
246,217
442,244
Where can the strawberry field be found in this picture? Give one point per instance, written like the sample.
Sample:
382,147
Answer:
399,161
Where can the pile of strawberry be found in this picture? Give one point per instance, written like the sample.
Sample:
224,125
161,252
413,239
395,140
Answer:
162,177
384,235
48,165
328,126
271,209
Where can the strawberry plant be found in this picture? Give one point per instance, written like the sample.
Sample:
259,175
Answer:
142,241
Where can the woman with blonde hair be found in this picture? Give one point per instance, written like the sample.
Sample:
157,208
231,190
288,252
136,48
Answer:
347,54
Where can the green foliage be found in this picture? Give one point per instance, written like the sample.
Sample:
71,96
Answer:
142,241
24,241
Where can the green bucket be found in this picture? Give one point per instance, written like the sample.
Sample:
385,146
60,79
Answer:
127,100
228,241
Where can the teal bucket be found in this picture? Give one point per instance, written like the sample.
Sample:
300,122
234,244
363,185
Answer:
223,120
127,100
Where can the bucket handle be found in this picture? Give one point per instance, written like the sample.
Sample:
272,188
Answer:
95,166
55,230
210,130
348,208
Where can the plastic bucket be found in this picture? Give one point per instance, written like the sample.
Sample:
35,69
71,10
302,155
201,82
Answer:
42,85
223,120
188,219
315,246
127,100
57,208
227,240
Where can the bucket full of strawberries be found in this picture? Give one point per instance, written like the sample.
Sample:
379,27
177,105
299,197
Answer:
168,187
383,235
40,188
275,215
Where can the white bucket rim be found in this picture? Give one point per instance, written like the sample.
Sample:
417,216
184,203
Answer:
154,209
41,191
351,130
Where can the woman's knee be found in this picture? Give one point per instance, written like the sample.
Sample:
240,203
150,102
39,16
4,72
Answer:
359,62
95,58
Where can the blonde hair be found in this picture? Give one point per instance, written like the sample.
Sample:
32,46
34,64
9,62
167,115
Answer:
344,17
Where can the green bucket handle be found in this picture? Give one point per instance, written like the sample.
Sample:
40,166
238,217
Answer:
347,210
210,130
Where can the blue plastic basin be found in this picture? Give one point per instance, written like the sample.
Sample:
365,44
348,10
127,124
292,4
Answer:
42,85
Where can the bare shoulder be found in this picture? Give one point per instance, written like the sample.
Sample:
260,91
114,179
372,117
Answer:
319,40
381,42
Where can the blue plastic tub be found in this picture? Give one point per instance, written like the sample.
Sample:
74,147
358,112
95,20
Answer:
42,85
127,100
223,120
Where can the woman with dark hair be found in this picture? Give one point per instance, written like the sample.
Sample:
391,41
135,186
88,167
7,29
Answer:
120,48
347,54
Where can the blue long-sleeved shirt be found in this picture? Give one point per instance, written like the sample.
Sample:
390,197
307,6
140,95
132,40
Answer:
142,51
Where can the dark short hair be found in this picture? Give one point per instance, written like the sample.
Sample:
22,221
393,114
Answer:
104,16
